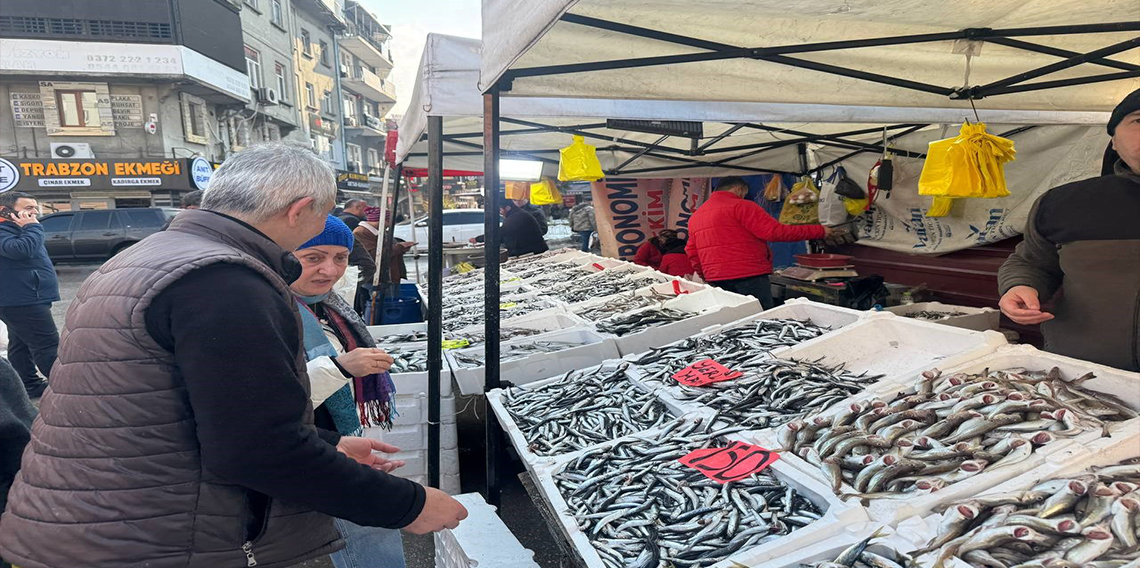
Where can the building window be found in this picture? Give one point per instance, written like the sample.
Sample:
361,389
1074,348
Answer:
350,111
326,103
253,4
310,95
321,145
195,125
324,54
374,166
282,84
354,158
78,109
253,67
277,13
306,43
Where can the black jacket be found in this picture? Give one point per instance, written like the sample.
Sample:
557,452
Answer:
27,276
521,234
16,415
538,215
351,220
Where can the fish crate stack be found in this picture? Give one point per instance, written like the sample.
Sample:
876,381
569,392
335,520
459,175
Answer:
480,540
964,408
527,359
979,319
409,430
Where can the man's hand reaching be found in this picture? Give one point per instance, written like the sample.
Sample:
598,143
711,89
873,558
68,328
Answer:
361,450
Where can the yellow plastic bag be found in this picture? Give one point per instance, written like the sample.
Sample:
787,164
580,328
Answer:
802,205
971,164
518,190
545,193
774,191
579,162
855,207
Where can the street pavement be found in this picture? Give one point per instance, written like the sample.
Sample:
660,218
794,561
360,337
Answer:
517,511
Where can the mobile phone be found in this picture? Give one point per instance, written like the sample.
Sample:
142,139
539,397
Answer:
8,213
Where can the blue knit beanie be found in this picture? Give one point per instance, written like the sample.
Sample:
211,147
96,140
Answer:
336,233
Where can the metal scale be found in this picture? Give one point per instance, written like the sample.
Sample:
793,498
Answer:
816,267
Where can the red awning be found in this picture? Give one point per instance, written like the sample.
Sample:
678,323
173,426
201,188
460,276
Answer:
423,173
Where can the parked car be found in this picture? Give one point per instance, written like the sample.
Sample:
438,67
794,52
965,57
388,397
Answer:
459,226
99,234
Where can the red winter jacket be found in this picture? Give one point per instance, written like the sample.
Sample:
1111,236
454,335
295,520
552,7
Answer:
648,255
676,264
728,238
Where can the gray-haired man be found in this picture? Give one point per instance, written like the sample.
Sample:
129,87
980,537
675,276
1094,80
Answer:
178,428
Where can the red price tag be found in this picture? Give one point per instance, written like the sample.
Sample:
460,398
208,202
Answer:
734,462
705,372
599,267
677,290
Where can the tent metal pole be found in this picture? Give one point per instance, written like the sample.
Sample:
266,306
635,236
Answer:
385,245
983,90
491,283
1038,48
844,157
521,131
435,291
585,134
702,165
1042,85
720,137
527,154
801,137
638,155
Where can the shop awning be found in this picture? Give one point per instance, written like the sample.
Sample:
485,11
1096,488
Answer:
1040,61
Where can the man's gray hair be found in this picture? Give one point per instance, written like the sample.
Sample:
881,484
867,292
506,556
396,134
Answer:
263,180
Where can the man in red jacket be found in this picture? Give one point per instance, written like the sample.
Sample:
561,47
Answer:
728,240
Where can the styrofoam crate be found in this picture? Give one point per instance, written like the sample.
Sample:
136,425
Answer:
409,437
532,461
551,319
594,347
447,483
838,514
564,256
608,263
483,539
416,462
1061,451
380,331
898,348
978,319
827,549
412,383
711,306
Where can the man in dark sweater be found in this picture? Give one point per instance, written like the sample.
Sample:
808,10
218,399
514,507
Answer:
16,414
354,211
1084,237
183,373
520,233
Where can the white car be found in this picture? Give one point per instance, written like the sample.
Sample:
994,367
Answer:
459,226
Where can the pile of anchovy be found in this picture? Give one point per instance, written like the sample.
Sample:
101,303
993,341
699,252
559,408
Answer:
407,360
475,339
581,409
397,338
740,348
605,283
950,428
625,324
621,303
858,555
523,260
642,508
514,351
529,272
933,315
550,279
775,391
1088,520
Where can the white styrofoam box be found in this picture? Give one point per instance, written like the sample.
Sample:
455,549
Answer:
447,483
413,408
607,263
412,383
379,331
416,462
803,309
550,319
483,539
594,347
884,541
979,319
898,348
514,434
1050,456
837,514
711,306
409,437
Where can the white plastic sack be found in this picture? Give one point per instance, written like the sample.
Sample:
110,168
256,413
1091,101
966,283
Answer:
346,286
832,211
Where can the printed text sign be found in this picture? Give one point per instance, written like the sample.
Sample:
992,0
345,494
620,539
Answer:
734,462
705,372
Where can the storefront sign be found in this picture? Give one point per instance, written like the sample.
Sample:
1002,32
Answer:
36,174
200,172
28,110
353,181
9,175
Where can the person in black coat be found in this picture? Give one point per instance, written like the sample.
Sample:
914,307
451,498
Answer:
16,415
520,233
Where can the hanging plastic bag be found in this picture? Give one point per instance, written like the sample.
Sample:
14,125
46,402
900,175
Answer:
802,205
774,191
971,164
856,207
545,193
518,190
579,162
832,210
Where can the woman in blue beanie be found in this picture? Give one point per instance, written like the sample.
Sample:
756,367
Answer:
351,388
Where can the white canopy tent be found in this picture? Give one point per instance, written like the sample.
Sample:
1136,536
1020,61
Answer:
896,58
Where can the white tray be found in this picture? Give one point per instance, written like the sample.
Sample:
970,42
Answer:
711,306
595,347
979,319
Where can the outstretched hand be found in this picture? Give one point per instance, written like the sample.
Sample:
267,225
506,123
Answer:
361,450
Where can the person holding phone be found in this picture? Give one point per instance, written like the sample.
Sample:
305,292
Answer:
29,285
